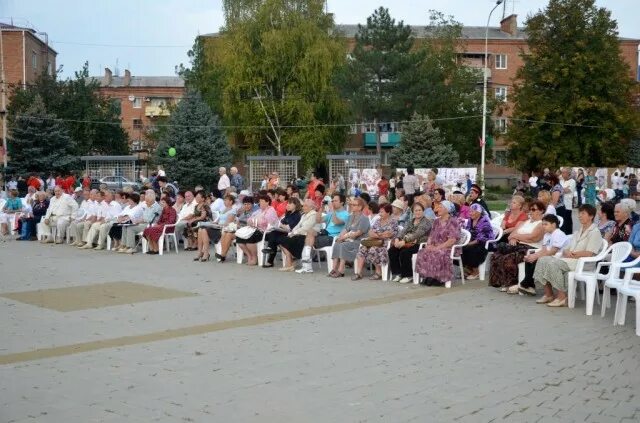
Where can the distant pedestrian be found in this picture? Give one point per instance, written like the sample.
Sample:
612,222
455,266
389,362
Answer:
223,182
236,179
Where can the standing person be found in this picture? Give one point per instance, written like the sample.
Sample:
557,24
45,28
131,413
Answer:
469,183
86,181
590,188
312,185
22,186
580,185
410,184
341,185
167,188
236,179
533,185
383,187
51,182
568,188
617,181
224,182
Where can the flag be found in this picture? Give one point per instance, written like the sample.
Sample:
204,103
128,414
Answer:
480,141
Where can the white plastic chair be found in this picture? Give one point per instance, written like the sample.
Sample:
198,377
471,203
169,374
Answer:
259,246
482,269
619,251
455,254
328,251
495,214
628,289
613,280
561,220
167,237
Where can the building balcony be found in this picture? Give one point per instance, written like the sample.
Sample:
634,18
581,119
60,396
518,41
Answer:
387,139
155,111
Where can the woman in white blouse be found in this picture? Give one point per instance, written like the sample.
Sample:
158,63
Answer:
293,245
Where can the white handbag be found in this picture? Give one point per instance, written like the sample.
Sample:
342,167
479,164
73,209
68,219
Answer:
245,232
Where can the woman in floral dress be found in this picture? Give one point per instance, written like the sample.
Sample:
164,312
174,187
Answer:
590,188
434,262
384,228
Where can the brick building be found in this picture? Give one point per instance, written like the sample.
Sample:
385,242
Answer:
143,101
24,56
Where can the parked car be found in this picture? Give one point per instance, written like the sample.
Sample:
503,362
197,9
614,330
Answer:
117,183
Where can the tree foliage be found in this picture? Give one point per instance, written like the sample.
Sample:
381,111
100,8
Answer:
38,142
201,146
423,146
573,99
78,104
273,66
633,156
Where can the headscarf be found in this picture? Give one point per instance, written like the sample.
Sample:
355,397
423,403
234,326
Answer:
478,208
449,206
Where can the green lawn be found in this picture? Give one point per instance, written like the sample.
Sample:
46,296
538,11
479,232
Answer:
498,206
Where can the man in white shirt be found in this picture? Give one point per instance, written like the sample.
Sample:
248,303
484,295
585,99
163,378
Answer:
533,185
61,207
186,213
224,182
569,187
107,213
83,224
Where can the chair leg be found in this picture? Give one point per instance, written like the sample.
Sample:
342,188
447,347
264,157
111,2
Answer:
637,315
481,270
416,276
606,300
571,290
591,286
621,309
161,245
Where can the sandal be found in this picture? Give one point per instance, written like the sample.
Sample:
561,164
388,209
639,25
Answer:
375,277
356,277
331,274
337,275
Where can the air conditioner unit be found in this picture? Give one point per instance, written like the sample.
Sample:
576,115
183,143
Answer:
132,97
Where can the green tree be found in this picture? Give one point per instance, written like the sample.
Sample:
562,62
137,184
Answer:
573,97
204,75
38,142
276,62
423,146
93,121
633,156
201,146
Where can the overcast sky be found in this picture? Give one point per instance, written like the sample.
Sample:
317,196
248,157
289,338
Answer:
150,37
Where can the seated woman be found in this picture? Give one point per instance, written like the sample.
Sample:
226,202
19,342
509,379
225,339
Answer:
154,232
289,220
132,211
211,232
29,223
606,220
513,217
261,220
438,197
504,262
622,229
201,213
434,262
475,253
293,243
551,272
553,242
228,230
545,197
383,229
406,244
12,207
462,207
347,243
279,203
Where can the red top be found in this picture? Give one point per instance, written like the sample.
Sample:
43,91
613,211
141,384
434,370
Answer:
311,189
281,208
33,182
86,182
383,187
508,225
68,183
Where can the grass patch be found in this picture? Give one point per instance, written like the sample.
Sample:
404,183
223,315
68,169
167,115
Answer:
498,206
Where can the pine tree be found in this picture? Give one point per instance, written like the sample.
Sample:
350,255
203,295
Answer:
201,146
423,146
40,143
633,157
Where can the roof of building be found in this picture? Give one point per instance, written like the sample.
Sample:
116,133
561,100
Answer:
11,28
140,81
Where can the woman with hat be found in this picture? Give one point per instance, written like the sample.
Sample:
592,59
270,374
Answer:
433,262
167,217
475,197
475,253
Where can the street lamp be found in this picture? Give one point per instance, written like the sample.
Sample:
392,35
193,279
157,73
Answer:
484,92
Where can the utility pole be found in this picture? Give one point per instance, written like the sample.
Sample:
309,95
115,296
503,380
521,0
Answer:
3,107
378,141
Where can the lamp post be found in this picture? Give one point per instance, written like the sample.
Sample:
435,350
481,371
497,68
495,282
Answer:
484,93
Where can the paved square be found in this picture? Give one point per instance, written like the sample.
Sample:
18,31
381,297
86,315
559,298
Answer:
94,296
257,345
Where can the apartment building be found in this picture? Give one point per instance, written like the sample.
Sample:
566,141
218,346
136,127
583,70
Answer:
143,101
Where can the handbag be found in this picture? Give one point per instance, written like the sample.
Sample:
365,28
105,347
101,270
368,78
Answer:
372,242
245,232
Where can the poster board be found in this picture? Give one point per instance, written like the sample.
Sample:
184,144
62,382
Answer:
451,176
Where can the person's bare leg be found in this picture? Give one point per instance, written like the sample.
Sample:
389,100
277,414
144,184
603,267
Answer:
204,244
342,264
225,244
358,265
561,295
378,269
548,290
253,254
336,264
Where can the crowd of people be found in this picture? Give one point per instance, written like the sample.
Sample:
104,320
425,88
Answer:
410,229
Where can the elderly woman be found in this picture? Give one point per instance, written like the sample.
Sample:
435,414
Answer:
504,262
293,244
545,197
12,207
180,202
39,208
606,220
154,232
243,214
406,244
374,251
132,211
289,220
261,220
210,232
622,228
551,273
475,253
433,262
513,217
201,213
464,212
347,242
553,242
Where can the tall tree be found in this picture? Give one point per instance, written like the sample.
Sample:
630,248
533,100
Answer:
573,97
276,60
423,146
39,142
93,121
201,146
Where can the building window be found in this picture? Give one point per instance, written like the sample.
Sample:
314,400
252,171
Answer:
137,102
353,129
501,157
34,60
501,61
501,93
137,124
501,125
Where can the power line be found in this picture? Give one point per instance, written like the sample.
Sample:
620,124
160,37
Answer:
121,45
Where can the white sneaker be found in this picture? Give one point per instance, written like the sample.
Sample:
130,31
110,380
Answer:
405,280
396,278
447,284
